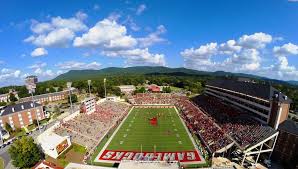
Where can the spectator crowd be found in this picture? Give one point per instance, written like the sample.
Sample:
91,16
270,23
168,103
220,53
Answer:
88,130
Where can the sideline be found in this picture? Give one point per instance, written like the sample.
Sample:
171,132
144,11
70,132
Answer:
193,142
110,139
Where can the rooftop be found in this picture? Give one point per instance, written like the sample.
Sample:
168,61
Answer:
17,108
263,91
289,126
51,139
148,165
83,166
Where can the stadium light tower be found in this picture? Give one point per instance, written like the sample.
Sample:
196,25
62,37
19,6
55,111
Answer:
68,84
89,83
31,86
104,83
1,135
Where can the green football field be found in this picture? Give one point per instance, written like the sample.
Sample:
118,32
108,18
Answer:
137,132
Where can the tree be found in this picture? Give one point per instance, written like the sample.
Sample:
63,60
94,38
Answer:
2,104
74,98
140,90
25,153
8,128
12,97
35,122
166,89
57,109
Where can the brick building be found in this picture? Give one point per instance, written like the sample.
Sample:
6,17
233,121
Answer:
262,101
286,148
50,97
21,114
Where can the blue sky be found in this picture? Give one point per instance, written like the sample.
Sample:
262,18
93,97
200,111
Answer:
47,38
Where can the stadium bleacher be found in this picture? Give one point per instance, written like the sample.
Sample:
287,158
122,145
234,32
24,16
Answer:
87,130
216,123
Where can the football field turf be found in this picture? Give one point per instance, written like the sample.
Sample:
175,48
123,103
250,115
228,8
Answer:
150,130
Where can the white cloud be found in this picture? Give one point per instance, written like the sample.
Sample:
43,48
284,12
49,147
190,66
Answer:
39,52
56,38
255,41
200,58
204,51
153,37
247,60
113,41
57,33
106,34
38,65
141,8
76,65
114,16
40,28
81,16
138,57
39,70
286,49
73,24
6,74
248,54
131,23
282,68
229,47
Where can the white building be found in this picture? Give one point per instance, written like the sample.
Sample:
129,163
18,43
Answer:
5,97
127,88
53,144
88,105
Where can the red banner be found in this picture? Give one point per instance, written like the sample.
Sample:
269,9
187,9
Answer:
183,156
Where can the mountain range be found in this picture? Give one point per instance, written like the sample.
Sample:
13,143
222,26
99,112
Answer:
73,75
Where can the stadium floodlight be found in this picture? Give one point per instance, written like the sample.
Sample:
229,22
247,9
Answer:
104,83
68,84
31,86
56,89
1,135
89,83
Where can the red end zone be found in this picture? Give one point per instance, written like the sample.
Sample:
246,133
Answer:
117,156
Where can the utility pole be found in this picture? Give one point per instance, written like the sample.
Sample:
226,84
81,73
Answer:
89,83
104,83
31,86
68,84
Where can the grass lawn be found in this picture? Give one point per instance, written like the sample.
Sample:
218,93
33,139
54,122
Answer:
176,89
168,135
1,163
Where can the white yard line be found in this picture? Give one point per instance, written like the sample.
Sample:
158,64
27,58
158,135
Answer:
192,140
110,139
115,132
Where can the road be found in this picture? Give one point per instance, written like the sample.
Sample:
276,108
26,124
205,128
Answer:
4,151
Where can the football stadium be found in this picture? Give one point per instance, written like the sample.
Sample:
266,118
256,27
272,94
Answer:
230,119
149,84
151,133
